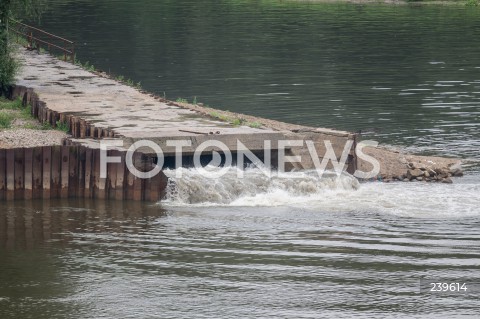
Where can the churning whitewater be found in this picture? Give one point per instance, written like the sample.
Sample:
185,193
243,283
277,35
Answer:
254,189
330,193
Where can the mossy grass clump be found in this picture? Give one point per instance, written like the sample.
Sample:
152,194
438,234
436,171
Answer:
181,100
235,121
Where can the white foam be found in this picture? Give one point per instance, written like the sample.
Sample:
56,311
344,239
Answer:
254,189
327,195
414,199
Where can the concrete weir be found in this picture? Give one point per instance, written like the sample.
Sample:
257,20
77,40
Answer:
96,108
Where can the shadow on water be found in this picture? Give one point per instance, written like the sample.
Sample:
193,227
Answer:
29,224
35,279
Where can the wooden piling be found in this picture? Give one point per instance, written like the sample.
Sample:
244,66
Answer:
112,176
56,172
10,174
37,172
73,177
88,173
28,173
83,128
138,183
129,184
121,176
81,172
65,172
102,182
72,171
19,173
98,184
47,171
3,174
150,189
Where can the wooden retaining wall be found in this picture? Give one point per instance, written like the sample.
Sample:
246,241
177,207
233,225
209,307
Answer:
79,128
74,172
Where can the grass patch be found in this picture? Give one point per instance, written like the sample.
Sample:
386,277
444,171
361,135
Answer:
235,121
46,126
84,65
89,67
254,124
14,110
10,105
61,126
32,126
129,82
180,100
21,40
6,120
26,113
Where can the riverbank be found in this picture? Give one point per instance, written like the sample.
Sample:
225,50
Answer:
18,128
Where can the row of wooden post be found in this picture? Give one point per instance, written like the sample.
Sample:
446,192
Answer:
74,172
78,127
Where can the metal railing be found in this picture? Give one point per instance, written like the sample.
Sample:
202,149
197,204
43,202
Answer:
38,39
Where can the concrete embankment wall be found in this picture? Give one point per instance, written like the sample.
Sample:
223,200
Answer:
74,172
71,171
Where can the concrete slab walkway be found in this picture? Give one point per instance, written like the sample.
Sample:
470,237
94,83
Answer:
104,103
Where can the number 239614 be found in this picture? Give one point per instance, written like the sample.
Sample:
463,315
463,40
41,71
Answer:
448,287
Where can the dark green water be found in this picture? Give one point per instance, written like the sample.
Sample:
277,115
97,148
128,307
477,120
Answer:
316,250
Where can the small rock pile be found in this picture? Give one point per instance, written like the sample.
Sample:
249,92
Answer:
416,172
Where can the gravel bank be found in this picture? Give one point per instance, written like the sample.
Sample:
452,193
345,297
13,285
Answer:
21,137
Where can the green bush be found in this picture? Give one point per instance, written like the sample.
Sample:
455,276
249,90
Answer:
8,68
11,9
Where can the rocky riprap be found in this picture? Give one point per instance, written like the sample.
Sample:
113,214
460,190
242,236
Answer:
398,165
421,173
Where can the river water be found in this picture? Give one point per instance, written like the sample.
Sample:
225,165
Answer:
293,246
